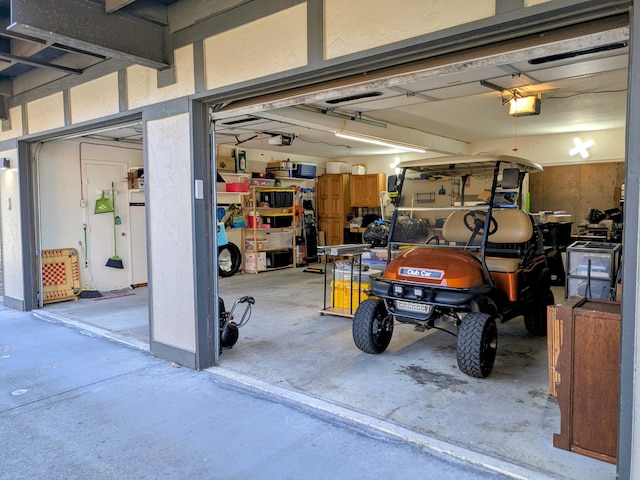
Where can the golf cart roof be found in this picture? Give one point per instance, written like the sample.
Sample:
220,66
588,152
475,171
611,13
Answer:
470,165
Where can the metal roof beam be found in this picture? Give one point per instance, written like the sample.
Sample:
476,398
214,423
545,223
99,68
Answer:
86,26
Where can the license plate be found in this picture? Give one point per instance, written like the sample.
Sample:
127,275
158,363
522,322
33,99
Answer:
413,307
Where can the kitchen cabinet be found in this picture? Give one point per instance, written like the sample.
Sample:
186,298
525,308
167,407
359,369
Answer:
366,189
269,238
334,204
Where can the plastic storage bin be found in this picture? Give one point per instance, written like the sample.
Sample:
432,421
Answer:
603,258
345,294
304,170
278,240
280,258
277,220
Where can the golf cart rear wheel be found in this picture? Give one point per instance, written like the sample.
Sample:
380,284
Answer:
535,320
229,259
372,326
477,344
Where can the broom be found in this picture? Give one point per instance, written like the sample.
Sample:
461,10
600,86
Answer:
87,291
115,261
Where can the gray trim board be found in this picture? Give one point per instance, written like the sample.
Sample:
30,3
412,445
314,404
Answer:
172,354
111,120
169,108
66,106
205,260
123,94
10,144
30,277
315,31
25,119
198,66
503,6
14,303
628,352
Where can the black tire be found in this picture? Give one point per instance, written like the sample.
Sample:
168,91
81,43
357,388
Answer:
477,344
229,260
372,326
535,320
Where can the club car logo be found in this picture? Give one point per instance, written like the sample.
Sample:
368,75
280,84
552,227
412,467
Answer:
421,273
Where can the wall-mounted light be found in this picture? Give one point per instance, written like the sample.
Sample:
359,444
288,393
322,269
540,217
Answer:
581,147
523,106
378,141
6,164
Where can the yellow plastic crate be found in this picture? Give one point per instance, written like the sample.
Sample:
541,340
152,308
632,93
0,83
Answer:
341,295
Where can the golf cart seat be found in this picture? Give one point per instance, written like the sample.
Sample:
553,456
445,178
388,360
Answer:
514,230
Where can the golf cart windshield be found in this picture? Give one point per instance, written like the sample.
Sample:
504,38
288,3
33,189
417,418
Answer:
430,190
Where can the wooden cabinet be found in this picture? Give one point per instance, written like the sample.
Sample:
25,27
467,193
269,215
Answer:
588,366
273,247
365,189
333,206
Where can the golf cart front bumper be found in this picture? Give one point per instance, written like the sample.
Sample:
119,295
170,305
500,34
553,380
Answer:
421,301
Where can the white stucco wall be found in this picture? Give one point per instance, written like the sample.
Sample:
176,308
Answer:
46,113
15,117
357,25
269,45
169,196
142,82
11,225
86,105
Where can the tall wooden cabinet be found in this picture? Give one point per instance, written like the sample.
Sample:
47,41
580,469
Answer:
334,204
589,371
366,189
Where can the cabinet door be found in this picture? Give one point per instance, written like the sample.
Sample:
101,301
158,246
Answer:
365,189
333,229
358,191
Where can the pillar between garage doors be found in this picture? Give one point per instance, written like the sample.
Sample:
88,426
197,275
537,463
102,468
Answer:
179,225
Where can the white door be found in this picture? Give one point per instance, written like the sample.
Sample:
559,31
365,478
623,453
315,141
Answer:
101,177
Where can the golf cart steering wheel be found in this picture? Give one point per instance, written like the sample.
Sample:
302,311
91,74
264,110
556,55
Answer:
474,221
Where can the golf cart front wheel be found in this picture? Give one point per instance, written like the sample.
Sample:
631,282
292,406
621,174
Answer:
372,326
477,344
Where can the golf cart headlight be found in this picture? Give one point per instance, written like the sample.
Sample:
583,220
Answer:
398,290
417,292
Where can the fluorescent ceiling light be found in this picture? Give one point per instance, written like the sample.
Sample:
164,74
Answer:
379,141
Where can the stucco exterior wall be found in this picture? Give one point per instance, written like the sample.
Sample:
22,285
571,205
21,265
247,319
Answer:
361,24
15,129
169,210
86,105
272,44
45,113
11,228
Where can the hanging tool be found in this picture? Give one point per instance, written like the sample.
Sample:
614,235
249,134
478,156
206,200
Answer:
115,261
87,291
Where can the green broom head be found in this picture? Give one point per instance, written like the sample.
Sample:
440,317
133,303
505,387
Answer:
115,262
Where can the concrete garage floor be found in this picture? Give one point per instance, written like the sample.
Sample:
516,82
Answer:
413,390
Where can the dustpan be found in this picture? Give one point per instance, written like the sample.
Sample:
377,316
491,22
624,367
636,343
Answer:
104,205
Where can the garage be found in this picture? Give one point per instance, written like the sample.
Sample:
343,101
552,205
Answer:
469,94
